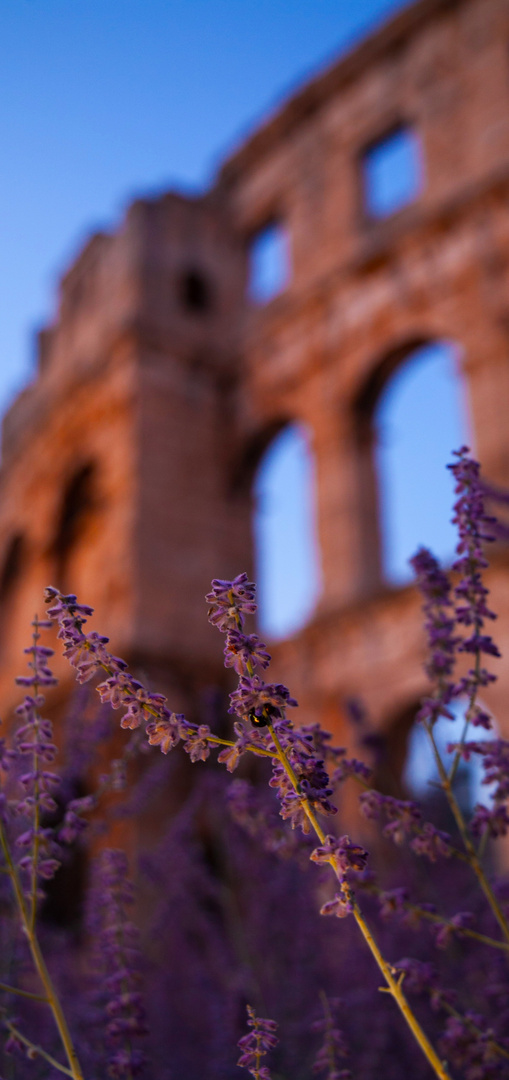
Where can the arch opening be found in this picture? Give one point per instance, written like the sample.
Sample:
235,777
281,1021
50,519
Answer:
285,533
12,566
77,501
269,262
420,773
419,418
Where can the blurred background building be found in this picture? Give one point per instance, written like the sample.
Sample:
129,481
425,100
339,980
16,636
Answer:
228,381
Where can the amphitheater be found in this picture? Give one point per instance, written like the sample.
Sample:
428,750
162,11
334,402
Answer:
128,464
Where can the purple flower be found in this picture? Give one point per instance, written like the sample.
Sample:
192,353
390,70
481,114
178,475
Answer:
471,1049
242,650
256,1044
196,740
333,1047
88,654
432,843
475,528
403,816
165,731
340,906
494,822
393,902
230,601
445,933
247,739
260,702
440,626
341,854
117,961
351,767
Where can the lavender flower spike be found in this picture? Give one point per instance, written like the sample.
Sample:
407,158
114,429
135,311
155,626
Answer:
255,1045
442,641
475,528
89,655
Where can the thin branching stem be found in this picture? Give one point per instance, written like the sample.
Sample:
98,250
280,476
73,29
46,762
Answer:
37,1051
394,981
463,831
40,964
23,993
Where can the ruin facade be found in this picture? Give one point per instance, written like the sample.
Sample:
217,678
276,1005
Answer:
128,463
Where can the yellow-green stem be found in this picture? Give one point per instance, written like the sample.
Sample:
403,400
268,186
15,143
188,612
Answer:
393,984
37,1051
40,964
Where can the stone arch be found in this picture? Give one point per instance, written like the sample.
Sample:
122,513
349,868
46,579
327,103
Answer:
287,563
380,512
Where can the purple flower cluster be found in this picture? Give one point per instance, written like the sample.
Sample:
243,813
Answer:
230,601
475,528
250,808
472,1049
256,1044
493,820
117,957
442,641
34,739
89,655
334,1046
404,819
263,705
340,853
343,856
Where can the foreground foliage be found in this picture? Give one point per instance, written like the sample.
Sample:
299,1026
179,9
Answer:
227,901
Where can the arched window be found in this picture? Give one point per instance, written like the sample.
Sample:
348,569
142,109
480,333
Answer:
269,262
77,501
420,418
287,561
10,575
12,566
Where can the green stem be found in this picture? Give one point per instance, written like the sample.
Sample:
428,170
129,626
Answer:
40,965
393,984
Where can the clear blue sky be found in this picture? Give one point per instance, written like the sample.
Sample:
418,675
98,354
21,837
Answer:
106,99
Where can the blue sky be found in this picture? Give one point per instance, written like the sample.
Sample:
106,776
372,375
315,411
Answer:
103,100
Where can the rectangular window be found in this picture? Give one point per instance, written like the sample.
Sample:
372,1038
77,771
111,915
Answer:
392,172
269,263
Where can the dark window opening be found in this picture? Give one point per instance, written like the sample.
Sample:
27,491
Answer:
392,172
77,501
269,263
64,894
196,292
12,566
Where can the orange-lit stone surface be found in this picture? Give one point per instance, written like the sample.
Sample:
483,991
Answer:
171,400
